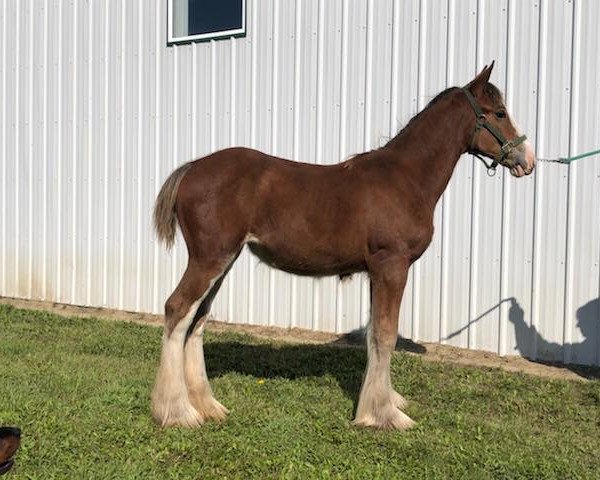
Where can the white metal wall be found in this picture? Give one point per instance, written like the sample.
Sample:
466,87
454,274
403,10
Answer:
96,110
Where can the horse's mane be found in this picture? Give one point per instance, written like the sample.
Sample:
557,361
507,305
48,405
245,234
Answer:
490,90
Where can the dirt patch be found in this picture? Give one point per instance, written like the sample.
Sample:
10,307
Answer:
427,351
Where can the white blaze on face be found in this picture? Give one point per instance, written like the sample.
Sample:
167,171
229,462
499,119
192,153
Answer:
526,154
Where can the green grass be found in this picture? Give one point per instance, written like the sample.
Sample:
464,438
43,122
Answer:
79,389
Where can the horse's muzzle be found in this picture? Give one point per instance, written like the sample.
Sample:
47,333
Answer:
523,161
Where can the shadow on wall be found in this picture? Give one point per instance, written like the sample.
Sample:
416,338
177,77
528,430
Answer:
530,343
534,347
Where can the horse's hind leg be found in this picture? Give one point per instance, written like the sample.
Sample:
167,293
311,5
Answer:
171,404
378,404
199,390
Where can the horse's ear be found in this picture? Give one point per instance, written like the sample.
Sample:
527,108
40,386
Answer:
476,85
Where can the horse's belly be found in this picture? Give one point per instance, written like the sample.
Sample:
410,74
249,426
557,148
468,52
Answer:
303,259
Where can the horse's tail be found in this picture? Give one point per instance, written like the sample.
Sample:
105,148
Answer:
165,216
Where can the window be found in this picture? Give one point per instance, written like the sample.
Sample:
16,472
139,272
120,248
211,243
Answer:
196,20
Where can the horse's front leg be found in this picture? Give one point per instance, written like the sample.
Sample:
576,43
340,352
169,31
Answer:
378,404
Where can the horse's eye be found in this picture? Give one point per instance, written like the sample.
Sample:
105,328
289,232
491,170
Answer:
501,114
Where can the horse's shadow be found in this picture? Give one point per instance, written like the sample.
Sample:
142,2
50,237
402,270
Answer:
292,361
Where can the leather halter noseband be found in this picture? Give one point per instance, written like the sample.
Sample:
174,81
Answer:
506,146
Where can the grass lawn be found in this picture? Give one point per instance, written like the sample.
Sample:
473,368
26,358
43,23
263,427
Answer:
80,388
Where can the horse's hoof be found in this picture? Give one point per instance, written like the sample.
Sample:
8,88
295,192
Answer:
176,412
209,408
386,418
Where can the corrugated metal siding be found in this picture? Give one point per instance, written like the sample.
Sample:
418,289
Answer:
97,111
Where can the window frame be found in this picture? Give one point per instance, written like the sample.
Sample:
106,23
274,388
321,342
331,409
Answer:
202,37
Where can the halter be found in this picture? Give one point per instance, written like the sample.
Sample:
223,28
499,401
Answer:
506,146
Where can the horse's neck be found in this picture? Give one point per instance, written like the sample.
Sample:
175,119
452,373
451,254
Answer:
430,146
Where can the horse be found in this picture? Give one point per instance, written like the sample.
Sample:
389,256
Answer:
10,440
372,212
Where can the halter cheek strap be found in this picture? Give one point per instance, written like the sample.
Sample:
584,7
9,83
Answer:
506,146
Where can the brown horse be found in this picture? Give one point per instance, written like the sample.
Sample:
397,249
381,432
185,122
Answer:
371,213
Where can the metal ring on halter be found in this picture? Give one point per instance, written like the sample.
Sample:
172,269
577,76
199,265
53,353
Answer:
491,171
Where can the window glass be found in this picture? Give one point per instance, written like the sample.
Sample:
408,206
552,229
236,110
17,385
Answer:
205,19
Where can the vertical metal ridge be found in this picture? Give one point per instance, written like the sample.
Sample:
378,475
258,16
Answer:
175,136
45,181
365,297
274,136
59,159
446,198
538,190
232,142
17,150
319,137
194,119
339,305
213,95
420,87
90,187
296,135
105,192
122,161
140,130
254,53
30,162
475,188
4,160
157,86
572,182
506,197
395,68
74,160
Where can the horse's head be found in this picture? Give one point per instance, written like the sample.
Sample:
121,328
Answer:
494,134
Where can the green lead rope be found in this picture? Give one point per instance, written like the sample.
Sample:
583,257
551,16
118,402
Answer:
568,160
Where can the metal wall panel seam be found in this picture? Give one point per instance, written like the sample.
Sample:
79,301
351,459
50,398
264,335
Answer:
232,142
157,179
45,155
473,271
394,96
535,301
365,299
572,181
296,134
506,197
420,89
253,144
106,142
395,67
73,173
175,135
4,160
17,143
140,130
446,204
213,95
319,136
30,159
58,294
90,187
342,146
121,178
274,138
140,89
